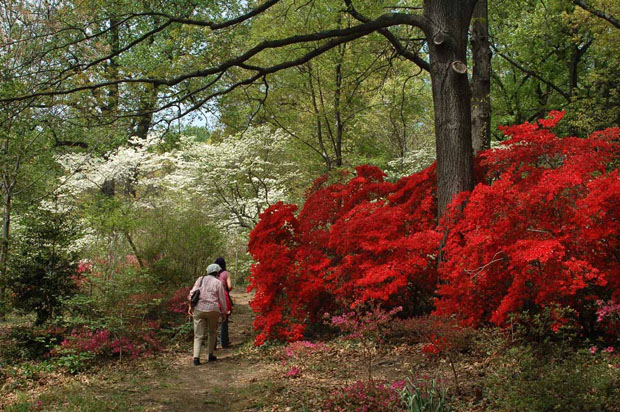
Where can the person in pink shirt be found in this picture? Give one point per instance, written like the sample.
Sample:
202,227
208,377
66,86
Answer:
227,283
206,313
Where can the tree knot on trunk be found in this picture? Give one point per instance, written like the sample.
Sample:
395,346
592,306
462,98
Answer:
441,37
459,67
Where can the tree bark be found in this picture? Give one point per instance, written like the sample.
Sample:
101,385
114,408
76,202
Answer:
573,65
319,126
113,65
148,104
447,42
481,78
337,113
4,247
7,185
134,249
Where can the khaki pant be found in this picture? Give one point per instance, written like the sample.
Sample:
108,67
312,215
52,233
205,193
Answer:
202,321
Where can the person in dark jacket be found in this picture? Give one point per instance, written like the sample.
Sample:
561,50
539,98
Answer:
224,277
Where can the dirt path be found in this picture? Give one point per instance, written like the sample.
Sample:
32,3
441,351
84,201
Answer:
229,384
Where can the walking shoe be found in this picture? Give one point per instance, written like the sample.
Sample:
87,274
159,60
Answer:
196,361
212,358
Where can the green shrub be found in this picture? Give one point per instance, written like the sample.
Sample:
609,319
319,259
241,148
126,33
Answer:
75,362
554,329
524,380
42,265
30,343
178,247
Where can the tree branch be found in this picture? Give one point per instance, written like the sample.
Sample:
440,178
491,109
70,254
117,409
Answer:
337,36
400,48
599,13
532,73
218,26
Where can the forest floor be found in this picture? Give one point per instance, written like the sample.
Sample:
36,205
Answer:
232,383
246,378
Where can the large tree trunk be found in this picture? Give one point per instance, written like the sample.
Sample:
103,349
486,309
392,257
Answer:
481,78
447,42
148,103
7,185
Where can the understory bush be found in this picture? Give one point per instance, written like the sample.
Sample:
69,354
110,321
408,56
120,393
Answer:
42,269
368,327
525,380
119,313
83,346
178,246
25,343
539,229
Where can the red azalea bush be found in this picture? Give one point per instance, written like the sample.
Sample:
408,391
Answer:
104,343
540,228
352,243
178,302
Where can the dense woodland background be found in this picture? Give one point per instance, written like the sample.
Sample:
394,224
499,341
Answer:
142,139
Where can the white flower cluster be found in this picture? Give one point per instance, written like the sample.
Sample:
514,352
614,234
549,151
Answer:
234,180
240,176
413,161
133,163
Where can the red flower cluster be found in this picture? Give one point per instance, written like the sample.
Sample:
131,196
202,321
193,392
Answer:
437,345
541,227
178,301
104,343
355,242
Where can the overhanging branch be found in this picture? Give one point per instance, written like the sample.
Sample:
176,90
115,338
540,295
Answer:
335,37
400,48
599,13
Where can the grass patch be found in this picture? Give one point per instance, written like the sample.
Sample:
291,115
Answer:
73,398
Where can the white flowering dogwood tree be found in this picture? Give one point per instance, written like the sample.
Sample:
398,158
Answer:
240,177
232,181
